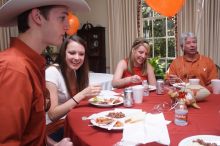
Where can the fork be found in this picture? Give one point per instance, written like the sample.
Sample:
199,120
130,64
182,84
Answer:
178,78
111,125
85,118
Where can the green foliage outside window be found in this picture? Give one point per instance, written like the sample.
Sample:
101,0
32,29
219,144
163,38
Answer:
159,67
160,32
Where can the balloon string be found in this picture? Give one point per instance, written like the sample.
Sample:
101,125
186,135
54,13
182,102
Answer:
158,108
174,105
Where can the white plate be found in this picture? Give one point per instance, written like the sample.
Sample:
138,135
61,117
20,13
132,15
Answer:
99,101
180,85
130,114
207,138
152,88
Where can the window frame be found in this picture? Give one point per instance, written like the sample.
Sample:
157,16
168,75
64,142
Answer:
155,16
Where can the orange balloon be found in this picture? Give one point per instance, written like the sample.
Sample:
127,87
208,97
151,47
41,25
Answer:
166,7
73,24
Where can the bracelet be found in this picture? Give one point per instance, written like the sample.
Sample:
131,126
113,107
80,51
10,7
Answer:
75,101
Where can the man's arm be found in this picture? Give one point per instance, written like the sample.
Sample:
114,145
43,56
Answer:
15,105
213,74
170,76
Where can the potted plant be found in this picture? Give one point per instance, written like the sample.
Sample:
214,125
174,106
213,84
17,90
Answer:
159,68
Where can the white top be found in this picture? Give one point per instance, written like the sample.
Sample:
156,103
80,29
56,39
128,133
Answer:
53,74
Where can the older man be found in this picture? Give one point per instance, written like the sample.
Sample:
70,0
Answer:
191,64
22,84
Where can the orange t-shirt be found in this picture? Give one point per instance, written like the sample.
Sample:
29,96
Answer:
202,68
22,84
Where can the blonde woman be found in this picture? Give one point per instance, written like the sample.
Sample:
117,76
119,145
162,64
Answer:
134,69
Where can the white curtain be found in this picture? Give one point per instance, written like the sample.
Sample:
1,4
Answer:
122,21
202,17
6,33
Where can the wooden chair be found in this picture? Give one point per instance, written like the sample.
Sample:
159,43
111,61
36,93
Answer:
54,126
218,69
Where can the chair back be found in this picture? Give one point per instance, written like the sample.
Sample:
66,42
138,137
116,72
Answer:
54,126
218,69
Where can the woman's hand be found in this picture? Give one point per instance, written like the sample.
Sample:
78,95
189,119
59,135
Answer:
92,90
135,79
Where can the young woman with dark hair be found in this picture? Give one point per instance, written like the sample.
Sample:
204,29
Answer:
67,79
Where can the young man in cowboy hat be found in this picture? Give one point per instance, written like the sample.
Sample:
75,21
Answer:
22,84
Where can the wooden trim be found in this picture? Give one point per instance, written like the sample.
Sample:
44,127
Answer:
139,8
218,70
52,127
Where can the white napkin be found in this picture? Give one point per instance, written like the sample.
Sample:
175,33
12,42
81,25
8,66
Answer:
152,129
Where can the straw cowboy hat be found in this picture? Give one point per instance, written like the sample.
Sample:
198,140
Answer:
12,8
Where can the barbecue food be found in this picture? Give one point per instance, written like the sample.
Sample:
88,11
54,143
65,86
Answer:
116,115
200,142
104,120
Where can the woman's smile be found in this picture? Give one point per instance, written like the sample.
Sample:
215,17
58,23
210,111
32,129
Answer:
75,54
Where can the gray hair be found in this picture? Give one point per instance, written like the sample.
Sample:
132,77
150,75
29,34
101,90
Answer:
184,36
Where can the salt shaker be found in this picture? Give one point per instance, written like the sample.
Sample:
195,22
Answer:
128,97
160,86
146,87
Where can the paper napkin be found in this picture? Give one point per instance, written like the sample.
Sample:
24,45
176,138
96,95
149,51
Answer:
152,129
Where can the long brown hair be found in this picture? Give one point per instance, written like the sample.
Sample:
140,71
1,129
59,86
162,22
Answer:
82,73
136,44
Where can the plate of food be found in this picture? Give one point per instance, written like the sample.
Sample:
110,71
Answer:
180,85
201,140
106,101
116,119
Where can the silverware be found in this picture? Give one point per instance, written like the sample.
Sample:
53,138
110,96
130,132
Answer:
89,117
84,118
178,78
111,125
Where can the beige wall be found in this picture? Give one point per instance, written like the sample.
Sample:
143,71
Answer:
97,17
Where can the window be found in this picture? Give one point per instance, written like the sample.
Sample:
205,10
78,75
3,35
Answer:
160,32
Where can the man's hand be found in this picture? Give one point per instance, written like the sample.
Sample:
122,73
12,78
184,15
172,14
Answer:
172,79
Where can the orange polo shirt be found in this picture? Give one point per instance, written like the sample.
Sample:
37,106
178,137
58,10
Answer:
22,83
202,68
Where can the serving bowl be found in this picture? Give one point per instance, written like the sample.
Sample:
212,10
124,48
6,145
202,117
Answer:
199,92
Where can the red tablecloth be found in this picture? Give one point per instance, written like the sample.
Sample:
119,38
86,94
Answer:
204,121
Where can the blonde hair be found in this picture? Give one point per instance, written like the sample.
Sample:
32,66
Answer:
136,44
